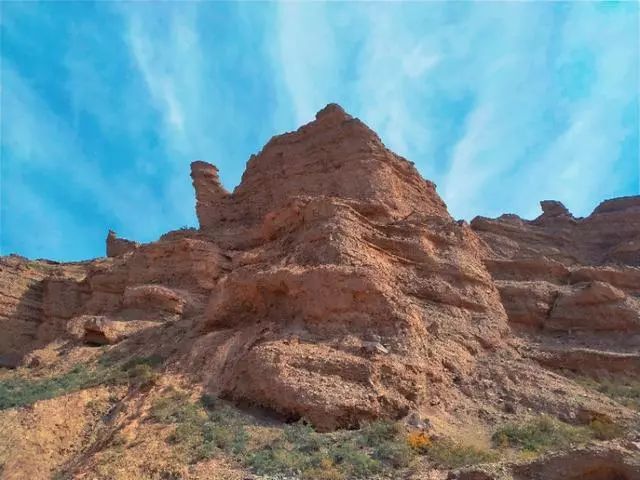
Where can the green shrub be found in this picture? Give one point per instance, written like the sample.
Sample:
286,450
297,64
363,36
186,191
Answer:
326,471
354,461
210,402
176,408
228,438
539,434
623,390
199,433
386,442
152,361
189,434
304,438
277,461
379,431
398,454
19,391
379,448
142,376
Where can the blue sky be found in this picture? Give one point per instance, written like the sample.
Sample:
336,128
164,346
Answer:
104,105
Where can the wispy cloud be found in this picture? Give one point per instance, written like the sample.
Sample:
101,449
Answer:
45,166
585,162
195,73
501,104
306,55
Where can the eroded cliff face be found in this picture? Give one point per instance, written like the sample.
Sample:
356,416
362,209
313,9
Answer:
333,285
337,244
571,284
609,236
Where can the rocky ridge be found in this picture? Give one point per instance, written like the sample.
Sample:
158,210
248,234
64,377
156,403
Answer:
571,285
333,286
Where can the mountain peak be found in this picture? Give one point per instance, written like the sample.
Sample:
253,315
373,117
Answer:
333,112
335,155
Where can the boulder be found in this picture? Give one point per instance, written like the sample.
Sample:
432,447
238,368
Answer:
154,298
102,331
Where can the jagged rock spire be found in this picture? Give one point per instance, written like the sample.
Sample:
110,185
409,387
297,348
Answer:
210,194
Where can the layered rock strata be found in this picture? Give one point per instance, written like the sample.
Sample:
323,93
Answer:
333,285
571,284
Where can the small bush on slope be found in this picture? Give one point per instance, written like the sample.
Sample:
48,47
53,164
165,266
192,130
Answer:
199,432
604,429
450,454
18,391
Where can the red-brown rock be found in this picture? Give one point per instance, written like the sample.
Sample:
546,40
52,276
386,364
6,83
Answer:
119,246
333,285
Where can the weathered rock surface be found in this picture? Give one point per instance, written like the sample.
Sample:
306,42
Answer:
334,241
34,302
325,158
21,294
600,462
561,274
608,236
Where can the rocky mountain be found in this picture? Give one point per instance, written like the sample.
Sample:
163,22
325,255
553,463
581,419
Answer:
331,289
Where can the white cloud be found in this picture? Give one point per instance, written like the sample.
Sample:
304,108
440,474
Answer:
501,104
158,72
418,61
164,43
306,55
530,132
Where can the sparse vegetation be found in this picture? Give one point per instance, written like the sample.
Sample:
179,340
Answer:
39,266
300,450
539,434
208,427
448,453
545,432
200,432
19,390
624,390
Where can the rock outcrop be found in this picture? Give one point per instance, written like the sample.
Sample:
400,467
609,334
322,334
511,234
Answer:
333,285
560,275
34,303
608,236
336,242
119,246
330,243
334,156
